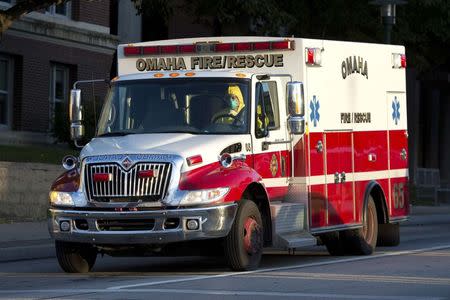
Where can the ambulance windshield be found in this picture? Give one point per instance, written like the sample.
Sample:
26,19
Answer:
185,105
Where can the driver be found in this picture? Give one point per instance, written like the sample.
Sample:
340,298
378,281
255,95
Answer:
235,103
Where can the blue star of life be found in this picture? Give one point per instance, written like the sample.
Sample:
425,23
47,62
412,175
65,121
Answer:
396,110
315,116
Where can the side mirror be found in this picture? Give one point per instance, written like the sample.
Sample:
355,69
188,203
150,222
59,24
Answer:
296,107
76,115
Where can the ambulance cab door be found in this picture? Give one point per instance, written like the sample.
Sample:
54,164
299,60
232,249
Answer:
269,134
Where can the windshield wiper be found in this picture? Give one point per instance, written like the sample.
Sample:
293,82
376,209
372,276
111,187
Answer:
116,133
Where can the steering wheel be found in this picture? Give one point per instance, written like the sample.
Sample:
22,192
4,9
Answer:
236,120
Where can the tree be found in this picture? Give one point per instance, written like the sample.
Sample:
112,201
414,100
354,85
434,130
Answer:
7,17
423,26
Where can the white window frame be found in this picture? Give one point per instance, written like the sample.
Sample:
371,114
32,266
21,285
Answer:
51,10
8,92
53,99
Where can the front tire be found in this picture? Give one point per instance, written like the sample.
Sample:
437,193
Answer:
75,257
244,243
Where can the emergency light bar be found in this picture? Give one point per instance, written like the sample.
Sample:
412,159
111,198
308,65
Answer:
208,47
398,61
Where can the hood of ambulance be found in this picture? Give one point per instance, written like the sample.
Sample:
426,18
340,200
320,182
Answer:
182,144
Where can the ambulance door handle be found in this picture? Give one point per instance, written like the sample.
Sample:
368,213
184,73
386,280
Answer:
319,147
266,144
403,154
343,177
336,177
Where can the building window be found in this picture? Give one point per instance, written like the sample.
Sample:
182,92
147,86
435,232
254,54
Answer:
61,10
5,92
59,93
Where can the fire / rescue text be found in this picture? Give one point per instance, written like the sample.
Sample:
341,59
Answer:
210,62
353,64
357,117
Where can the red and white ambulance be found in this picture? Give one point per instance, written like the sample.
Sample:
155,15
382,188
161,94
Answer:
229,145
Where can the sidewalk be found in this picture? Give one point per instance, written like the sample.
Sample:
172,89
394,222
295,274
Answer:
31,240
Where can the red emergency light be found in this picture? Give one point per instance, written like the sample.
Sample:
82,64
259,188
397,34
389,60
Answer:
132,51
214,47
168,49
147,174
150,50
313,56
186,49
102,177
398,61
224,47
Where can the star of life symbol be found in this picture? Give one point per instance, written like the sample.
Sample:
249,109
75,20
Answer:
126,163
396,110
315,116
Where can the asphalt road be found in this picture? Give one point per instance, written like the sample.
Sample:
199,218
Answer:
418,269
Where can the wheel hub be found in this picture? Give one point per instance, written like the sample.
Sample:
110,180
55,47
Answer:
252,236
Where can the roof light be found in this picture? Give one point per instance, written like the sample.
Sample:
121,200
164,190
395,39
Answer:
174,74
186,49
288,45
398,61
261,46
130,51
225,47
151,50
169,49
189,74
158,75
313,56
242,46
193,160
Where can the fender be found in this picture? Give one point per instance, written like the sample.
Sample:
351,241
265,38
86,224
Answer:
372,185
68,181
237,177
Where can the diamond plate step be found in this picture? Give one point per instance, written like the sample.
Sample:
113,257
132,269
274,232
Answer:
289,228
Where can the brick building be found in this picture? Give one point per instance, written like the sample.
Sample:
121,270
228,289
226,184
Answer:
43,54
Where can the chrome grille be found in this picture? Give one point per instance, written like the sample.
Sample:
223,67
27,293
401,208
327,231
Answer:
127,184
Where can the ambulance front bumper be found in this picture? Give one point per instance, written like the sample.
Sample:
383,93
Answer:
141,227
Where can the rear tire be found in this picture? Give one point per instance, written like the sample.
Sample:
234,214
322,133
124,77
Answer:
244,243
334,243
75,257
388,235
363,241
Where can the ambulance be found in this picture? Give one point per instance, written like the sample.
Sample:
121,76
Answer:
231,146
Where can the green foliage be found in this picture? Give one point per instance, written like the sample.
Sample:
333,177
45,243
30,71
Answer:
423,26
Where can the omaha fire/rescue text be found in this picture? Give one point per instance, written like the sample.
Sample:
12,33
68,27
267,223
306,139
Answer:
210,62
353,64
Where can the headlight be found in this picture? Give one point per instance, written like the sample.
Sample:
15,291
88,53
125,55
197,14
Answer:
204,196
67,198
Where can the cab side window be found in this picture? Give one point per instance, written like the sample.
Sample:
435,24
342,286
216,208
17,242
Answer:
267,113
271,103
